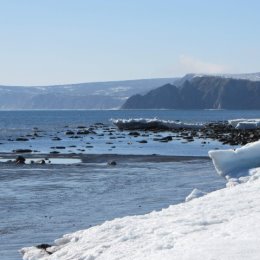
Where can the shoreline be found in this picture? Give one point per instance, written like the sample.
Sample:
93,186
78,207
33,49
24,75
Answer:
105,158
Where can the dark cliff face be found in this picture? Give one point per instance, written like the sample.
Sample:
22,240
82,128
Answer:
206,92
158,98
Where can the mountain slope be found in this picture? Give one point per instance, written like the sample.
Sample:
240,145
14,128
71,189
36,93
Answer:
201,92
97,95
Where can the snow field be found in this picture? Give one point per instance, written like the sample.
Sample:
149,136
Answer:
224,224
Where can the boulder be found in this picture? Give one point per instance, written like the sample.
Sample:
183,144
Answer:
20,160
112,163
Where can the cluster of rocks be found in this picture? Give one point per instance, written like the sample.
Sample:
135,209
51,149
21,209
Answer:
21,160
220,131
226,134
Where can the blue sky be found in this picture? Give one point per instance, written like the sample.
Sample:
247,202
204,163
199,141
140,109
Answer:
69,41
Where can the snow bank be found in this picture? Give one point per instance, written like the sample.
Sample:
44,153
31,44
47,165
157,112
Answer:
222,225
245,123
238,165
142,123
195,194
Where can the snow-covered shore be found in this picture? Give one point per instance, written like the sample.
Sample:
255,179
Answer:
224,224
245,123
144,123
239,165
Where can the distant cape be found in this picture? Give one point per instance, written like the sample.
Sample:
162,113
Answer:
96,95
200,92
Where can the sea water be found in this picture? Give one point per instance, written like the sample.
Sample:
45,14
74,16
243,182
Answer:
50,124
41,203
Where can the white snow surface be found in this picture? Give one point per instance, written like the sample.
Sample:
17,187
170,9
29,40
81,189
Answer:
245,123
143,123
221,225
238,165
247,76
195,194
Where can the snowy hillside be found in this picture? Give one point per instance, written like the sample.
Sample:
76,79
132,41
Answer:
222,225
96,95
247,76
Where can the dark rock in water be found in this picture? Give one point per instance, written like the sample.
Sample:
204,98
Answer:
58,147
99,124
143,142
112,163
166,139
69,132
75,137
81,127
22,139
20,160
56,139
54,152
189,138
134,134
22,151
85,132
40,161
163,139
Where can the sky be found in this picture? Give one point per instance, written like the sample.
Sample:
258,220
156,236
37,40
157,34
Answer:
45,42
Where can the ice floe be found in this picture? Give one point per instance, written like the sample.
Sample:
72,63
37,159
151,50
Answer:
154,123
245,123
239,165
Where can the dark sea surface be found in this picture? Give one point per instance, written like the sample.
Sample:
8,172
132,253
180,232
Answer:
39,203
49,119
